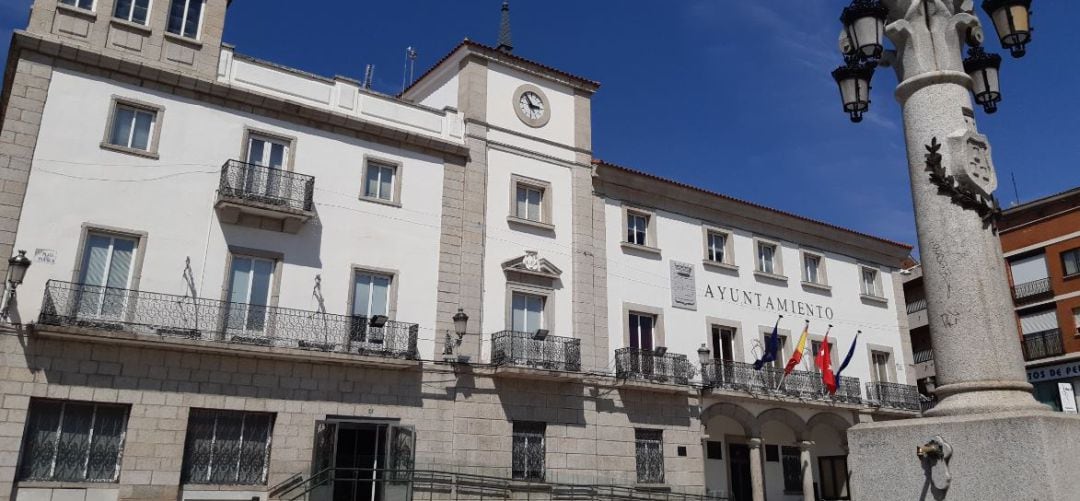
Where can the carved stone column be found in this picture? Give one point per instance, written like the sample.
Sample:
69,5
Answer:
757,475
979,364
807,470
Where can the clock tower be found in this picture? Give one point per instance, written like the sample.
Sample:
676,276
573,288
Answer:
526,190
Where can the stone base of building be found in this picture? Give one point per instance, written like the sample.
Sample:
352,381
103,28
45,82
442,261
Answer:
1014,455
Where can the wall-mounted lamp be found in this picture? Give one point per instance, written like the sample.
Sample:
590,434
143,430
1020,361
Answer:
17,266
378,321
461,326
703,354
541,334
660,351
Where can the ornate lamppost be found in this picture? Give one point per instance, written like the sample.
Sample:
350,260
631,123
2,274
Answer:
982,390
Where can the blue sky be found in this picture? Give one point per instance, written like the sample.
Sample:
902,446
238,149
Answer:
733,96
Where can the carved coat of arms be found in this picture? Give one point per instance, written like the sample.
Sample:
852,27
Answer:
971,164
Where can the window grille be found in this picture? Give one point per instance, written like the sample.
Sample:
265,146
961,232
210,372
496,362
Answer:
528,450
73,441
227,447
792,469
649,449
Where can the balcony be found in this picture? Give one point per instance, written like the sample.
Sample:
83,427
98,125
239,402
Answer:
916,306
922,356
264,197
895,396
208,324
529,355
802,385
1032,291
648,366
1042,344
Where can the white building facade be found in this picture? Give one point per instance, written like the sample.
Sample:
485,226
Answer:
245,280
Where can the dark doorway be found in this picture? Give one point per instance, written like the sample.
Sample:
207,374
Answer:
357,459
739,459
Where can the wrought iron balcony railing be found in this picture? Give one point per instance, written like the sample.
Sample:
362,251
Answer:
923,356
647,365
1042,344
266,185
1029,291
524,349
79,305
739,376
894,395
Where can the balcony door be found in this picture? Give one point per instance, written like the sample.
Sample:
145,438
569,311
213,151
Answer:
879,367
250,280
105,276
527,312
642,327
267,158
371,298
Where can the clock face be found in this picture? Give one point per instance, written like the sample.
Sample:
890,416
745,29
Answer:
532,105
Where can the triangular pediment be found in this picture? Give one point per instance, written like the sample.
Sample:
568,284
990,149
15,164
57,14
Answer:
532,264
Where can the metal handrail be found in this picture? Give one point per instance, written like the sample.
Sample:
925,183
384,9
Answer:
1042,344
110,308
1031,289
648,365
739,376
524,349
443,485
916,306
923,355
266,185
894,395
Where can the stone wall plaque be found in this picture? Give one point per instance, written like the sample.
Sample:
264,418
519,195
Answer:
683,287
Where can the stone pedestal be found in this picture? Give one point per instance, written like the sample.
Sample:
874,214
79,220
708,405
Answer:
1002,456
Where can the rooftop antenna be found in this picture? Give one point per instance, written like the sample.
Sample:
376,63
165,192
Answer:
410,64
506,43
1016,192
369,74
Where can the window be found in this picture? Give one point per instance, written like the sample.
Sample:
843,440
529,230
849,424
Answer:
266,151
792,464
814,269
132,10
772,453
371,294
834,477
1071,262
227,447
132,127
879,361
649,452
722,341
379,181
184,17
714,450
528,450
641,330
637,228
249,293
871,282
1076,320
529,203
82,4
69,441
716,247
781,348
815,348
766,258
527,312
107,267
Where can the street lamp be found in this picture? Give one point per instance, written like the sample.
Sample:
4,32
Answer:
983,68
1012,21
854,81
864,24
17,266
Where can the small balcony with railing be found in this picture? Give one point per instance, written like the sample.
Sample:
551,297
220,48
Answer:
729,377
90,312
1042,344
1028,292
264,197
536,355
653,369
894,396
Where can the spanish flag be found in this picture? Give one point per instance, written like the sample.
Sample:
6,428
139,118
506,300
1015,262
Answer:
799,348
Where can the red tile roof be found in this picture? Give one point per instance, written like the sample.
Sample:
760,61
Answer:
593,84
744,202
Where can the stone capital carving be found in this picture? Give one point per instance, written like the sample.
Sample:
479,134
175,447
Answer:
754,443
805,445
929,35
